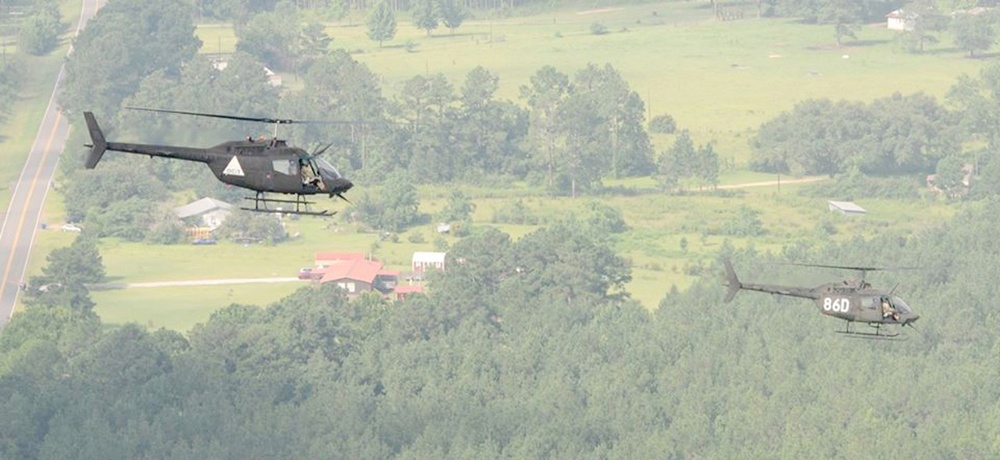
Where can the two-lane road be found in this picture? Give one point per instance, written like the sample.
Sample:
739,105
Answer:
21,220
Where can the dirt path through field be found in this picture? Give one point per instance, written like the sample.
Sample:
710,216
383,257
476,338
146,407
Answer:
215,282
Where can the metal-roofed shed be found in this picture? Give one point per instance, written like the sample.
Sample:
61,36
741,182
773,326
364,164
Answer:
847,208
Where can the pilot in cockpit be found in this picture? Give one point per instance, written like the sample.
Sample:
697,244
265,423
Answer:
888,311
309,176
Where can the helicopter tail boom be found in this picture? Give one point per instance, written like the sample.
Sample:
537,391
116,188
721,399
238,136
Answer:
99,144
732,281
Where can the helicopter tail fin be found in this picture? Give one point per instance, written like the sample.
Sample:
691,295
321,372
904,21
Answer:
732,281
98,146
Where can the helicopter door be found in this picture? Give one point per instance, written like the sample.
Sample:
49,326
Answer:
286,167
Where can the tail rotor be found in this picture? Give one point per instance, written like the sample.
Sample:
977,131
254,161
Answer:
98,144
732,281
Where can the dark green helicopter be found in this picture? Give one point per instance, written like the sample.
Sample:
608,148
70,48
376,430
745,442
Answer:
853,300
263,165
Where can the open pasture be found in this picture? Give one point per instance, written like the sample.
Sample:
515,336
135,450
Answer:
720,79
180,308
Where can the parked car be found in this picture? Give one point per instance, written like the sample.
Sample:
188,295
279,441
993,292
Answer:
310,274
71,228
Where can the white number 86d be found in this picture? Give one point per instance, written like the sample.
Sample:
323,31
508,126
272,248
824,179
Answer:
836,305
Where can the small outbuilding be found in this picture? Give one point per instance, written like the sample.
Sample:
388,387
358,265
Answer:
900,20
847,208
423,261
206,212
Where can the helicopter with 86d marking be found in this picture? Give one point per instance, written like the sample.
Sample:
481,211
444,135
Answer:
853,300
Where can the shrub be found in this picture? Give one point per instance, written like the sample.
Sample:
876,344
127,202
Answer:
663,124
515,213
416,238
746,223
39,34
598,29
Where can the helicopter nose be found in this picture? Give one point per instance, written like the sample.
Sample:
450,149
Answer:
338,185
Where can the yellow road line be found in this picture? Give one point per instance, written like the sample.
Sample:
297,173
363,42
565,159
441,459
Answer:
31,192
45,153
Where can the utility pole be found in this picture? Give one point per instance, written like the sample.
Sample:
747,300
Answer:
3,33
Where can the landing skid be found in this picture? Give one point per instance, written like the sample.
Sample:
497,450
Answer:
260,203
873,336
877,335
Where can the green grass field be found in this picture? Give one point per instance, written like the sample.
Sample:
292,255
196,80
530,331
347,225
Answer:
180,308
718,79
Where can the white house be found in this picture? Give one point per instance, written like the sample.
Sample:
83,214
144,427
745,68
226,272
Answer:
209,211
900,20
423,261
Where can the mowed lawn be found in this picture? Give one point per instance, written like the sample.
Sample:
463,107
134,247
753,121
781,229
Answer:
718,79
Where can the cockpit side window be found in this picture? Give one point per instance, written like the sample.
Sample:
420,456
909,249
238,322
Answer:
900,305
871,303
286,167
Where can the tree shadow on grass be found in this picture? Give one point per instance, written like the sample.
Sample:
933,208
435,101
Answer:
458,35
937,51
864,43
982,56
110,283
410,48
961,53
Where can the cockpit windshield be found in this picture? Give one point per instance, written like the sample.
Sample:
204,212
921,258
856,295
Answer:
324,165
900,306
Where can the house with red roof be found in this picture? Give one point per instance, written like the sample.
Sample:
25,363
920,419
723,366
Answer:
327,258
359,275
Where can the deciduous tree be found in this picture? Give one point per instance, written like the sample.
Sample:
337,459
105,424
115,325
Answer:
973,32
425,14
39,34
381,23
453,13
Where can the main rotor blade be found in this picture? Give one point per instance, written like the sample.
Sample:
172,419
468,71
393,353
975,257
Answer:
319,151
277,121
848,267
